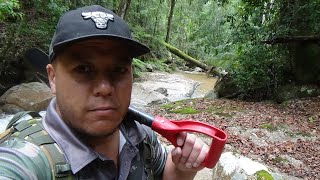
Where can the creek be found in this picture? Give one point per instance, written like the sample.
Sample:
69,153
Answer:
178,85
206,82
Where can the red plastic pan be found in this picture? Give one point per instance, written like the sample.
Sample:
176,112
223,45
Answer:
171,128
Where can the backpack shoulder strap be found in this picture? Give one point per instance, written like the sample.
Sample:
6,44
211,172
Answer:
33,131
20,115
14,121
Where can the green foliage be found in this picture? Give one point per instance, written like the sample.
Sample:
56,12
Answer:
149,65
138,67
8,9
222,33
258,66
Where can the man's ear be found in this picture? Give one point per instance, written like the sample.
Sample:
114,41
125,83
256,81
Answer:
52,77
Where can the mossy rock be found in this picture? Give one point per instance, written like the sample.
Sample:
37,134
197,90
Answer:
263,175
226,87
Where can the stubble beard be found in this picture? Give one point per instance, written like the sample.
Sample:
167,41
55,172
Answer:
82,133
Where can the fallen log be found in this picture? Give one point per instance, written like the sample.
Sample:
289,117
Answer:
191,60
185,57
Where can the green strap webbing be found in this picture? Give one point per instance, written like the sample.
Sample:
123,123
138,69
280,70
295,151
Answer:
30,130
62,169
45,139
22,125
19,115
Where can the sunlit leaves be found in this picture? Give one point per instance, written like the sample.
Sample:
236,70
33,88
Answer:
9,8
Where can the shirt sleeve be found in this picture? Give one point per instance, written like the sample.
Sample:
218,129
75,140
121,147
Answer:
158,152
20,159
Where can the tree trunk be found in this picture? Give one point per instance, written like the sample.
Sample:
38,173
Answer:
123,8
156,20
185,57
173,3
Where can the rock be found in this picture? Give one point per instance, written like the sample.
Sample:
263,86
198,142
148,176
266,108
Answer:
227,87
149,68
233,166
11,108
163,91
142,96
291,91
204,174
160,88
32,96
211,94
197,69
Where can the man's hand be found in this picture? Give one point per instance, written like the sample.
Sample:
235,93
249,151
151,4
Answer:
192,153
185,161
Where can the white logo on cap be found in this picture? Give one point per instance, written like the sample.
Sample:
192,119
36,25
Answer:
100,18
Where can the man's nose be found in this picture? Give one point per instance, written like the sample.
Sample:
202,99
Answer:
103,87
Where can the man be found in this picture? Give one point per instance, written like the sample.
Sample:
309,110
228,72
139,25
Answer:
90,72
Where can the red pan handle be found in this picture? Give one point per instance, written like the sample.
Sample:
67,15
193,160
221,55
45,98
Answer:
170,129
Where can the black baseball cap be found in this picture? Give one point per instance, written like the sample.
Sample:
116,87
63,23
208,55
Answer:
92,22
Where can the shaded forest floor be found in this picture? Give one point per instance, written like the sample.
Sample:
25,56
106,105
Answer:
284,136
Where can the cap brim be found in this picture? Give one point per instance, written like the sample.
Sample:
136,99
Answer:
135,48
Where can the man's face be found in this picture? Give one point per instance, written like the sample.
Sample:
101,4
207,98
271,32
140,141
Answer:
92,81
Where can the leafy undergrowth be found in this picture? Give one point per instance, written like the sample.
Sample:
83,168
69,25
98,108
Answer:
297,119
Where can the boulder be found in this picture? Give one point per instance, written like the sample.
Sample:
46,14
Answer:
226,87
32,96
158,88
233,166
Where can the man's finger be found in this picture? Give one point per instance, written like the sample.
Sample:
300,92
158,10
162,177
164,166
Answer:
196,151
181,138
176,155
187,147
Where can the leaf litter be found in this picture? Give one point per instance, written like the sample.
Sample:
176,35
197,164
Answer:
283,136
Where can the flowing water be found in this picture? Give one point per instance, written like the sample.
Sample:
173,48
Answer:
206,83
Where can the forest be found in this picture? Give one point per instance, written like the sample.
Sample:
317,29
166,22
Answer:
264,53
269,49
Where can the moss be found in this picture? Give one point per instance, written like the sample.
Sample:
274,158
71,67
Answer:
167,106
295,134
279,159
263,175
285,104
305,134
223,111
180,107
312,119
268,126
185,110
224,114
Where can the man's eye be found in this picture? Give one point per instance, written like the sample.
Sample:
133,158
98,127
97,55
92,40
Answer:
121,69
83,69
